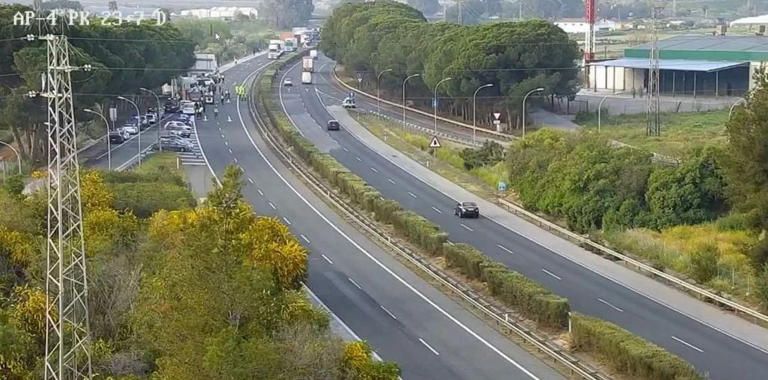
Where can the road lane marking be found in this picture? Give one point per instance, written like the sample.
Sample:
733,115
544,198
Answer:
687,344
358,158
272,205
412,195
250,180
610,305
429,347
288,222
305,239
234,159
376,261
437,210
374,170
345,149
503,248
354,283
551,274
327,259
467,228
222,136
391,181
261,193
226,143
388,312
230,150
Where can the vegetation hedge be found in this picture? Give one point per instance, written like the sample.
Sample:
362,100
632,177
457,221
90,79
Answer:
627,353
529,298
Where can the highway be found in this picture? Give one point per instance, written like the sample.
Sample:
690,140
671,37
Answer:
708,349
404,318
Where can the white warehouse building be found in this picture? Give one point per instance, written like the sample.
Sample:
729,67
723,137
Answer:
579,26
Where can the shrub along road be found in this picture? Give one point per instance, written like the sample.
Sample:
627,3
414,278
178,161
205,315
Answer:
405,319
707,348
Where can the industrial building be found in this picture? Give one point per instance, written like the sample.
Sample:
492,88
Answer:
688,66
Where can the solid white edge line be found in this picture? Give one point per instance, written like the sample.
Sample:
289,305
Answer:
327,258
379,263
429,347
551,274
388,312
505,249
620,310
640,292
687,344
304,286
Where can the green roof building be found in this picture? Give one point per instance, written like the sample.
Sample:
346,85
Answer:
689,66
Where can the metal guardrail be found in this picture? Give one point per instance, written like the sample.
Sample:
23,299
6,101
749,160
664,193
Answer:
547,225
479,131
558,354
701,292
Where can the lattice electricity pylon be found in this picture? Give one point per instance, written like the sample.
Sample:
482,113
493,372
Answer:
67,343
653,118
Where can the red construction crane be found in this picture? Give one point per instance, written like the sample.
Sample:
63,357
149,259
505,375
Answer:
590,15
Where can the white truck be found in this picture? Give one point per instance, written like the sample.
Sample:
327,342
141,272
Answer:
308,65
275,49
313,53
306,77
291,44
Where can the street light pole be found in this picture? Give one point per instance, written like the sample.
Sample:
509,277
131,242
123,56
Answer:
404,82
434,101
378,90
474,111
138,123
157,116
109,143
16,152
526,98
600,113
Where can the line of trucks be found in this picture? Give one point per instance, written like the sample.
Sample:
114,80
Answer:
308,67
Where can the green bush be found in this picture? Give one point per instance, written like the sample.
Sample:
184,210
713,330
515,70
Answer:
466,258
704,263
528,297
14,184
144,199
627,353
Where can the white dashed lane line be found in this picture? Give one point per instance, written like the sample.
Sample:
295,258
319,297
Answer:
374,170
437,210
429,347
467,227
326,258
250,180
687,344
412,195
505,249
388,312
261,193
354,283
610,305
288,222
391,181
551,274
305,239
272,205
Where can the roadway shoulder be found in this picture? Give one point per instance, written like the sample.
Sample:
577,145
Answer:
660,293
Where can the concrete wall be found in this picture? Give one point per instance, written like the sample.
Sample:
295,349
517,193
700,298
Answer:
607,78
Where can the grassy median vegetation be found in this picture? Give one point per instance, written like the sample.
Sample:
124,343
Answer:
529,298
190,291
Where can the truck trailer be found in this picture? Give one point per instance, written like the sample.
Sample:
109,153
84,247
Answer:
308,65
306,77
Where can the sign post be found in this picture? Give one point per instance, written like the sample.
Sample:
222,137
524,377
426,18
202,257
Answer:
435,143
497,121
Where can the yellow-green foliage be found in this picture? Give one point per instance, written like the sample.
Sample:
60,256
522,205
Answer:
626,353
674,247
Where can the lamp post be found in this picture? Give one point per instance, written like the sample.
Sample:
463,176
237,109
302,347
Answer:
157,116
378,90
138,123
600,113
730,111
16,152
109,143
526,98
404,82
434,101
474,111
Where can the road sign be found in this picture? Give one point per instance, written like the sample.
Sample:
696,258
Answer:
497,115
435,143
113,114
497,122
502,186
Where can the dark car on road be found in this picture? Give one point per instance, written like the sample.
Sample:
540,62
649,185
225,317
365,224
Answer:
467,210
171,107
116,138
333,125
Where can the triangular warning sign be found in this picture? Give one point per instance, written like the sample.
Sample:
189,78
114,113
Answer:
497,115
435,143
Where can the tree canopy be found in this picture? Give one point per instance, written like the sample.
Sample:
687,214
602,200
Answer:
282,14
367,38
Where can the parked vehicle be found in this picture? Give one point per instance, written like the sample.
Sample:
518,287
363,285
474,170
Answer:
333,125
467,209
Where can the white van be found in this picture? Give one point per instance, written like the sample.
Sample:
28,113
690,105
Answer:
187,108
348,103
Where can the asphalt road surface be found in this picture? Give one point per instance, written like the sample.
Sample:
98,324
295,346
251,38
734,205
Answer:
709,350
404,318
